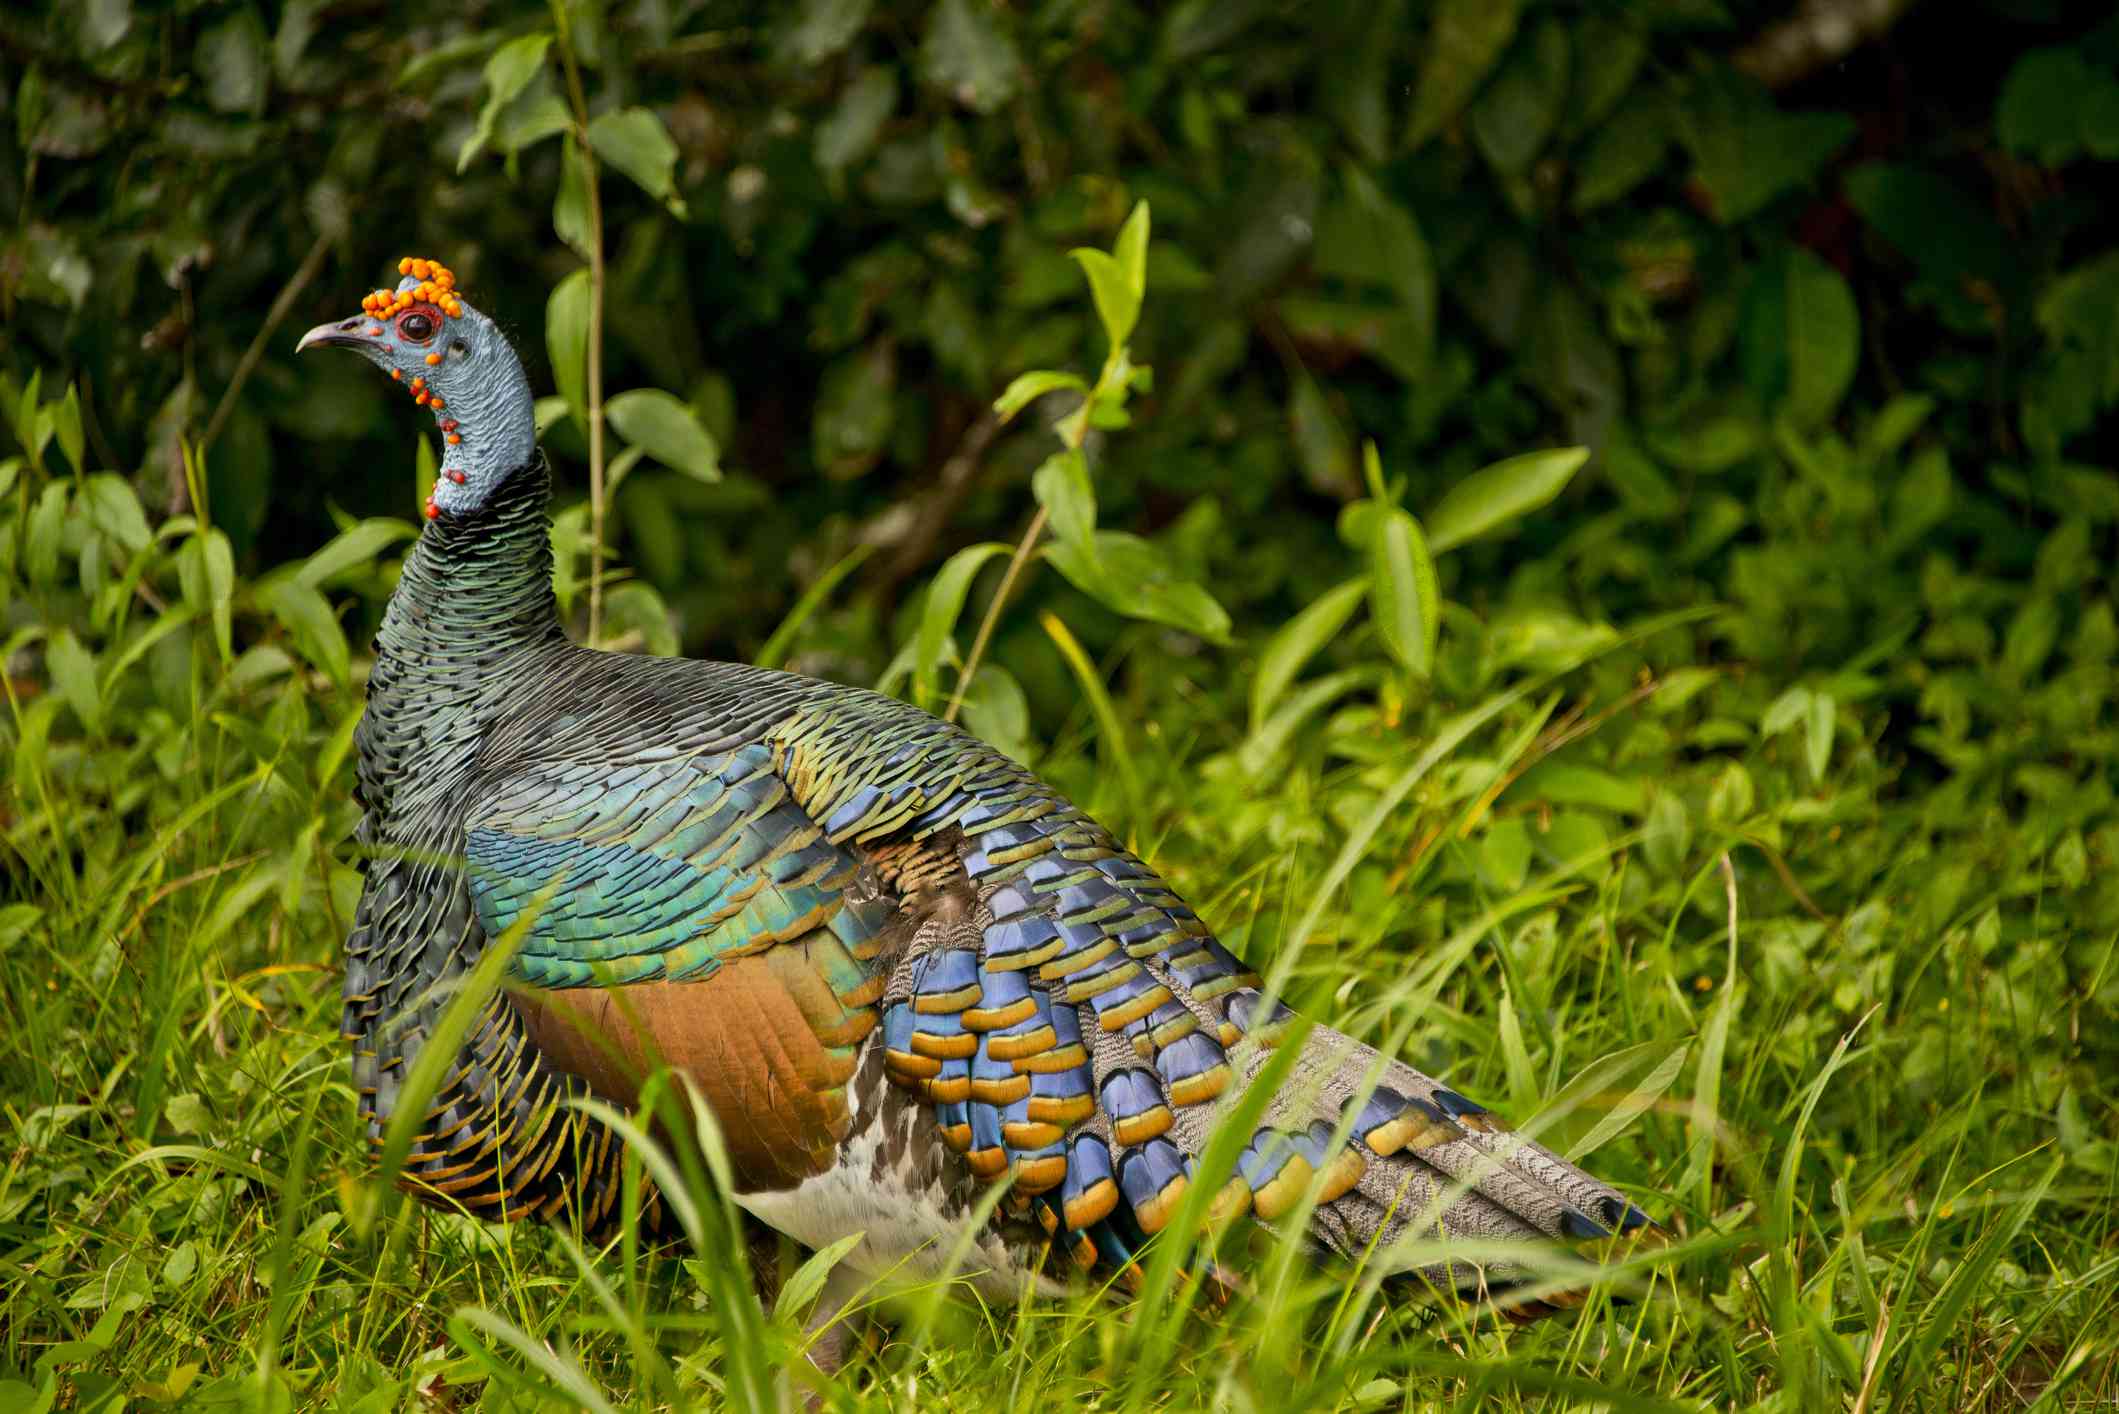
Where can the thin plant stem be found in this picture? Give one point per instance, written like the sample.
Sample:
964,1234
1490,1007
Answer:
1074,433
993,612
284,301
598,501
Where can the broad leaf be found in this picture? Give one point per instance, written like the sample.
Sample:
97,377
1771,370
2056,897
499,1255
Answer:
1129,576
508,72
997,711
73,673
307,617
1131,248
634,141
1298,640
1029,387
566,339
1405,599
354,548
1801,337
945,603
851,130
1466,39
969,56
1117,297
1063,488
1495,495
669,429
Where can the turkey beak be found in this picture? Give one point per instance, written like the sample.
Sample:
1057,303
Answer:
344,334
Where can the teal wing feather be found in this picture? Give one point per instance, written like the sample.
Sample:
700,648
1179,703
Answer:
686,911
656,872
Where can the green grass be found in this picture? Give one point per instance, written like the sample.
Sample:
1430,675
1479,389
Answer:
1847,1036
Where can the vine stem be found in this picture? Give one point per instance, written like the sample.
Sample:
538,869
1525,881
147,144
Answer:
993,612
598,500
281,303
1074,433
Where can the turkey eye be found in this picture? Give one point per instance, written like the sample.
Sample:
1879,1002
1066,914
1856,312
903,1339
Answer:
417,327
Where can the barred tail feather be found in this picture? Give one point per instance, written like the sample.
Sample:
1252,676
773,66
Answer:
1432,1169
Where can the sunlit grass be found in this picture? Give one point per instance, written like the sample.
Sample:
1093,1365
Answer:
186,1212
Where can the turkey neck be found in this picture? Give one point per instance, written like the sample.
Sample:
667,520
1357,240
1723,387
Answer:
473,605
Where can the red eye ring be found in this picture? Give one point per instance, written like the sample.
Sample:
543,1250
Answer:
418,324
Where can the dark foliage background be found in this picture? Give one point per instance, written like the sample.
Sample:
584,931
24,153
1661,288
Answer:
1457,229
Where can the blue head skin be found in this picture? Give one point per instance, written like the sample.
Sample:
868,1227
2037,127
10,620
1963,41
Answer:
452,360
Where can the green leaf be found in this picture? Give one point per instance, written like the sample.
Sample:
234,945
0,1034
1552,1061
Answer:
1747,151
968,56
507,73
22,415
1666,839
1063,488
1131,248
232,62
114,509
66,426
47,532
73,674
1617,44
530,119
634,141
851,130
669,429
855,409
1801,337
1113,749
774,653
1322,446
1517,113
1297,641
449,56
636,607
1497,494
1467,38
206,573
566,340
1817,734
1117,297
1366,239
1787,710
801,1289
823,28
217,559
1624,153
104,23
2040,102
996,711
1405,600
1129,576
570,208
1029,387
1271,734
938,616
317,634
1948,235
1920,501
353,548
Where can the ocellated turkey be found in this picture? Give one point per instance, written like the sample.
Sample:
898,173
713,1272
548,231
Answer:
897,965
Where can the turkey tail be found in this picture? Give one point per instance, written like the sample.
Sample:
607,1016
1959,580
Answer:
1424,1168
